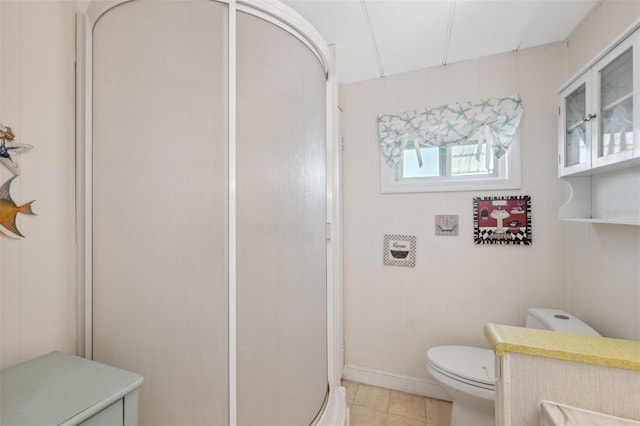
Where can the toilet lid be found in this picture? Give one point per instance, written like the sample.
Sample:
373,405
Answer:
466,362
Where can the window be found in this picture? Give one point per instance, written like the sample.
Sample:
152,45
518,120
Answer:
457,147
452,169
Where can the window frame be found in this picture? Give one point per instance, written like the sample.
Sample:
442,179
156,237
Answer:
508,177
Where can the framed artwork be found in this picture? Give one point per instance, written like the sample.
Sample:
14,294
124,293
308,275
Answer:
400,250
502,220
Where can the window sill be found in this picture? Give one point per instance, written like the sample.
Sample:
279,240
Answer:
450,185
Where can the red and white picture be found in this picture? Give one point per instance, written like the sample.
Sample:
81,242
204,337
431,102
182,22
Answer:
502,220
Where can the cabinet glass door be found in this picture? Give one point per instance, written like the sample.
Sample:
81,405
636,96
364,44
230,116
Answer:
575,141
615,106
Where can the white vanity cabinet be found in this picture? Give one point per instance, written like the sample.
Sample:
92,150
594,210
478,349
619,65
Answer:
60,389
592,373
599,136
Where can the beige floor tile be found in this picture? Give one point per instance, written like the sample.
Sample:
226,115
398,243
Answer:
407,405
375,406
363,416
395,420
373,397
352,389
438,412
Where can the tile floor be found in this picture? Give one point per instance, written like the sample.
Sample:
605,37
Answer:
374,406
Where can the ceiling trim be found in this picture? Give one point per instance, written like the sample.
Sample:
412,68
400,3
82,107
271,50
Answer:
447,40
372,37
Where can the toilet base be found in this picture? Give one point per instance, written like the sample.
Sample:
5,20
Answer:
472,405
464,415
467,409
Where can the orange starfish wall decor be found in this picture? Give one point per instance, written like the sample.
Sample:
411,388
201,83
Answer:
9,210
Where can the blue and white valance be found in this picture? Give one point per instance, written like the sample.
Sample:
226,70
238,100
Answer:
494,121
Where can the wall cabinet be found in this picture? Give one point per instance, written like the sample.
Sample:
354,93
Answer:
600,113
599,136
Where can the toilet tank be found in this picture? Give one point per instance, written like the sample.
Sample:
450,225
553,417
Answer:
557,320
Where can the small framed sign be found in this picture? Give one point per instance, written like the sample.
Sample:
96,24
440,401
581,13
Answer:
447,225
400,250
502,220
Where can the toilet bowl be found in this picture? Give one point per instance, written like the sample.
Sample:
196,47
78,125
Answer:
467,374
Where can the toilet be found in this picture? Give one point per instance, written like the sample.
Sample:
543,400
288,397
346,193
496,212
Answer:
467,374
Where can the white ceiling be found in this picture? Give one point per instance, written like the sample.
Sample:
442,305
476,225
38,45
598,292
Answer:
374,38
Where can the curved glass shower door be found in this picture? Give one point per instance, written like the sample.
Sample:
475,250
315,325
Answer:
160,190
281,227
166,196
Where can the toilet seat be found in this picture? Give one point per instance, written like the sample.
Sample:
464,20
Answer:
466,364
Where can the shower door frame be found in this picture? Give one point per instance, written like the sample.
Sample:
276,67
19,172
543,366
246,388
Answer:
287,19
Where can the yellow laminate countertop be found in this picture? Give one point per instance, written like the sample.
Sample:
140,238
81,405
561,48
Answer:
571,347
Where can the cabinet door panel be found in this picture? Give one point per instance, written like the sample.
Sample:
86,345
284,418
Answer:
613,103
575,128
110,416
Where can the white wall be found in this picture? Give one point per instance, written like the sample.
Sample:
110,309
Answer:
393,315
603,261
606,21
37,274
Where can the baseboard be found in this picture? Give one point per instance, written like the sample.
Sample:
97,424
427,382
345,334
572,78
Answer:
397,382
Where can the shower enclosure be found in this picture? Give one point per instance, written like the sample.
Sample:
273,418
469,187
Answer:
210,192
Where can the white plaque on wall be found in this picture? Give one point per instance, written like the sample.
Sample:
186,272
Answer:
400,250
447,225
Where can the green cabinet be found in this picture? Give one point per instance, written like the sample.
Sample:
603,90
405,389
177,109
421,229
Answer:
60,389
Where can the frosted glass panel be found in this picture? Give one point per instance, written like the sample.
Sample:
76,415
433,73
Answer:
160,205
281,201
616,107
576,139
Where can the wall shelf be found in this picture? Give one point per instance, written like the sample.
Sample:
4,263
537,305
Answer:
611,198
635,222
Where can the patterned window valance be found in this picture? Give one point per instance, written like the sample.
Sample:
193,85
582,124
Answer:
494,121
